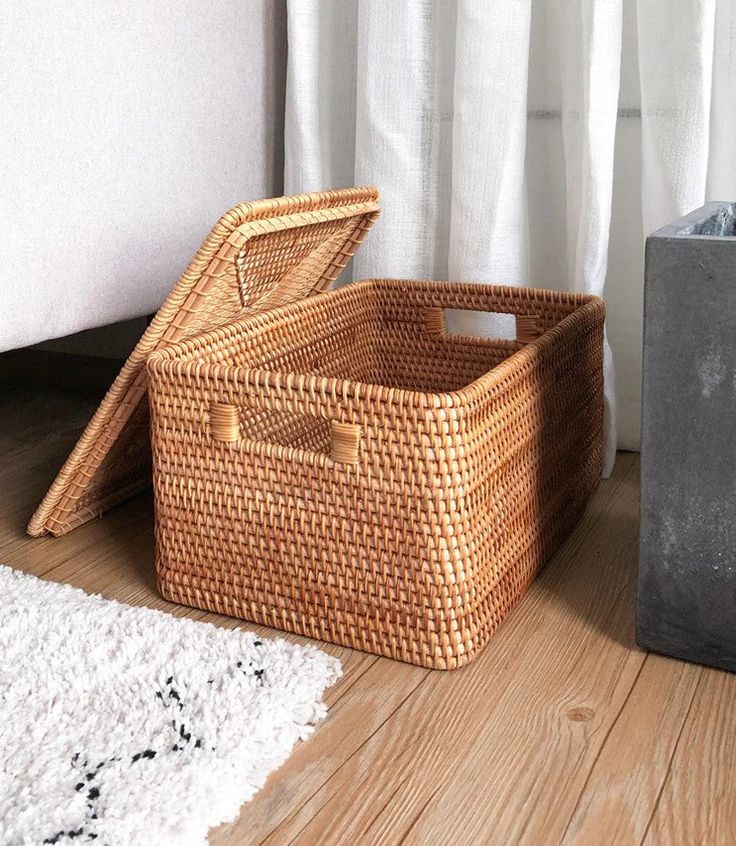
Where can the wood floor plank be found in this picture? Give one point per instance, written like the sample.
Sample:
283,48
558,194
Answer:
623,785
698,801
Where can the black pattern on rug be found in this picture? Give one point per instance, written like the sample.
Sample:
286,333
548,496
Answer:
86,775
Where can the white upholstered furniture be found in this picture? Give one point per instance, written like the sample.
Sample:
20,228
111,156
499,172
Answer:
122,127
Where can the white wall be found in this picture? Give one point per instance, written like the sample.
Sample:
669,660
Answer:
126,129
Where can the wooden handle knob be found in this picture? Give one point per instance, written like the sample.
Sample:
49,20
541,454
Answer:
527,327
345,442
224,422
434,321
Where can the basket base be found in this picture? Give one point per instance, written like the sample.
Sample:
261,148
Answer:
512,588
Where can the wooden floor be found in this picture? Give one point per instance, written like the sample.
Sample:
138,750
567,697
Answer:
562,731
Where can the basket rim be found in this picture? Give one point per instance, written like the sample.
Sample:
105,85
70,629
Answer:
168,360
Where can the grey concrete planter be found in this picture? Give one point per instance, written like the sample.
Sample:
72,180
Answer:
686,603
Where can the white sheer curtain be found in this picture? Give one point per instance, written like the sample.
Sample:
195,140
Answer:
516,142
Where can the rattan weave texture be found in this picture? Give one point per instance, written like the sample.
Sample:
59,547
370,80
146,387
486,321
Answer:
345,468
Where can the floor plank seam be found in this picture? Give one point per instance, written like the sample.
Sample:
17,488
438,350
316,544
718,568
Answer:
385,805
672,757
333,774
418,816
345,689
602,747
296,837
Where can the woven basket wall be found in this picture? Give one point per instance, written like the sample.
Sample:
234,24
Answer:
345,468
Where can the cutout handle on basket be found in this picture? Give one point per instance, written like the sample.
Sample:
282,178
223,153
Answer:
344,437
527,325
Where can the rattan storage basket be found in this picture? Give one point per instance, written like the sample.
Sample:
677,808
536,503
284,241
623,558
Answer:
346,468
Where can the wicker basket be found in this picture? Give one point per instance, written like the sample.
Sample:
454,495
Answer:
345,468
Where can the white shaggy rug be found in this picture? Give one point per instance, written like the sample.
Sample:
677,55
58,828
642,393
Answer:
123,725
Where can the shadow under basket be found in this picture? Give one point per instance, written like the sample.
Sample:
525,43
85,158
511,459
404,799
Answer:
345,468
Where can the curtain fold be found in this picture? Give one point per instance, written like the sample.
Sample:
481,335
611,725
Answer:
403,127
488,144
492,128
488,232
590,51
319,124
675,71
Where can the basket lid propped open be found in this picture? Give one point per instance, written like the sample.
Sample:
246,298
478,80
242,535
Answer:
258,256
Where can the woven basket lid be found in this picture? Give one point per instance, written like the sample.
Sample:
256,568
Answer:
259,255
